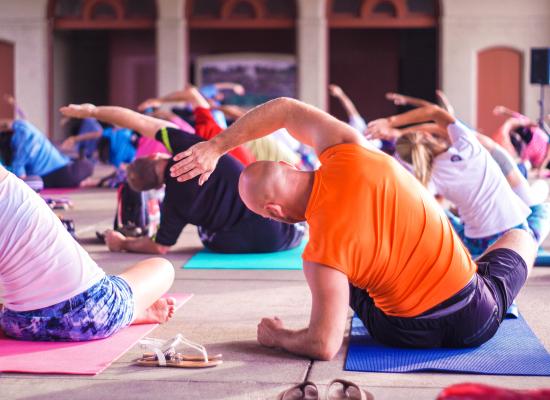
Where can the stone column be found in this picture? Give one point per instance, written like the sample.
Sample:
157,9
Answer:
23,23
312,46
172,53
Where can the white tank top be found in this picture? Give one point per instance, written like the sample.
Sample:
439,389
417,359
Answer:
40,262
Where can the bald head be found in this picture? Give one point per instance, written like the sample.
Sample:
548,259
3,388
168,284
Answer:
276,190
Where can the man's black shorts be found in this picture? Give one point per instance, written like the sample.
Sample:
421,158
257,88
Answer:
467,319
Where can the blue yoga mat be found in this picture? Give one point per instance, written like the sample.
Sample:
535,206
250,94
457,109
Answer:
288,259
514,350
543,258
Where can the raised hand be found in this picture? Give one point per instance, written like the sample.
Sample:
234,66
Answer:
78,110
200,159
335,90
396,98
380,129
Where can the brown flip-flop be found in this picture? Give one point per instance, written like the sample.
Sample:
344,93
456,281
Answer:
340,389
304,391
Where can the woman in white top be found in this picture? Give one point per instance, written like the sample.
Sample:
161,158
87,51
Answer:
460,169
54,291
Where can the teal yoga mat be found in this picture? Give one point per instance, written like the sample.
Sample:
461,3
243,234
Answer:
288,259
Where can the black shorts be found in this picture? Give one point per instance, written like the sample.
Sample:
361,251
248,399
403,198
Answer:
70,175
467,319
254,234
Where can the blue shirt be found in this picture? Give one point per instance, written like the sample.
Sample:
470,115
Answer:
122,148
33,153
210,92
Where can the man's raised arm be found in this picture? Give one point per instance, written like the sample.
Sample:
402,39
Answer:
119,116
306,123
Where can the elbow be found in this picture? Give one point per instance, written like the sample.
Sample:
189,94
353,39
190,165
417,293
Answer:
326,349
327,353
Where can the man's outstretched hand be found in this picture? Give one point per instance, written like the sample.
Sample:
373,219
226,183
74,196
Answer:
198,160
78,110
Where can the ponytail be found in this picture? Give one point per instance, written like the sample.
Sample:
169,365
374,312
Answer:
418,151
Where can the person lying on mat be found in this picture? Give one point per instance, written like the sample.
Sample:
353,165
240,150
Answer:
54,291
378,239
472,171
224,223
26,151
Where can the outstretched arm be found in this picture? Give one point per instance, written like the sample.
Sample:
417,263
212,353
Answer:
441,118
306,123
402,100
189,95
336,91
237,88
145,125
69,143
323,337
117,242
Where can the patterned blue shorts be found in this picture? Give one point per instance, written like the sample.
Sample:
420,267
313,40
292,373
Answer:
97,313
538,224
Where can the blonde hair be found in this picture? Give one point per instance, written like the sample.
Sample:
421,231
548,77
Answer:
419,149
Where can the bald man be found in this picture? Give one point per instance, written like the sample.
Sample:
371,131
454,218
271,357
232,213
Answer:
378,240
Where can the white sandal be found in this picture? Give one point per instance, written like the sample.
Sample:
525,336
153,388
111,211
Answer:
165,354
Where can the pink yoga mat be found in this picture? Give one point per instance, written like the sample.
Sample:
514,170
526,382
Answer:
80,358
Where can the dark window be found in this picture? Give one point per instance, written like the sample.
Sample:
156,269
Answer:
385,8
206,8
104,11
421,6
347,7
243,10
140,8
281,8
68,8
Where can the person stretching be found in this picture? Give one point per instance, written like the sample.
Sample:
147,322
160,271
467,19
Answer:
378,240
26,151
54,291
224,223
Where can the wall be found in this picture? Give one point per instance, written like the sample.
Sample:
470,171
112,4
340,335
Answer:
23,22
469,26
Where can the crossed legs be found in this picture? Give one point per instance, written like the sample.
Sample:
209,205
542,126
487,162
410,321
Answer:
149,280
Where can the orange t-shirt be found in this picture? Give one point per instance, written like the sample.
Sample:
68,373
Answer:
372,220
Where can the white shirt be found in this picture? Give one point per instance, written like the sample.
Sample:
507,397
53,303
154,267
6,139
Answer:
468,176
40,262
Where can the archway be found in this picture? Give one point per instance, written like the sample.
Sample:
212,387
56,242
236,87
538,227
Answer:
103,51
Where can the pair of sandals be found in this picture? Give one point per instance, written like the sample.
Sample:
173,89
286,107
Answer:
164,353
338,389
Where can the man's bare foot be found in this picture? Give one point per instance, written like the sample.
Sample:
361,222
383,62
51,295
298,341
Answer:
161,311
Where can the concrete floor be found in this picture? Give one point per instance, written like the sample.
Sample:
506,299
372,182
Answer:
223,316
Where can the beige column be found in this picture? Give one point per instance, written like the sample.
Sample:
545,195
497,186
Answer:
24,24
312,45
172,50
470,26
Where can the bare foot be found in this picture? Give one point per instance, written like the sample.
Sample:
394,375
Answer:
161,311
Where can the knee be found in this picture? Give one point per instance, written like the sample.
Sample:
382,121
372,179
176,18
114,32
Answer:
164,267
